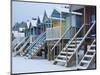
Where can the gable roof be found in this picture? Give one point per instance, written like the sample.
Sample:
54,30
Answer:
56,12
38,20
45,18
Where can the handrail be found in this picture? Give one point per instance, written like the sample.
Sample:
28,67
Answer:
71,39
86,52
23,46
14,43
60,39
75,35
38,41
41,39
83,40
20,42
41,35
91,44
92,57
86,35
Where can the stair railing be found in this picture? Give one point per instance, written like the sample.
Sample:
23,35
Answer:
35,41
70,41
76,51
74,38
92,57
38,40
86,52
52,56
20,44
21,49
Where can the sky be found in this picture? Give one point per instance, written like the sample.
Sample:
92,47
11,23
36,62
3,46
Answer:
23,11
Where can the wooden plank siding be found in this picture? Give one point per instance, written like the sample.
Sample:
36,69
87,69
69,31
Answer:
90,11
55,23
62,25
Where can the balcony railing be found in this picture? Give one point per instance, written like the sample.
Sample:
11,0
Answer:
53,33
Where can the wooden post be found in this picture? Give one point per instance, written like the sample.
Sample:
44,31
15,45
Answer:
54,54
48,51
59,47
57,50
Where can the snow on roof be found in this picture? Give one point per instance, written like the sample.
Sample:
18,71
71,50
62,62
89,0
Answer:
21,29
28,23
34,22
18,34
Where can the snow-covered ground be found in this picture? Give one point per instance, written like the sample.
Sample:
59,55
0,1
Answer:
23,65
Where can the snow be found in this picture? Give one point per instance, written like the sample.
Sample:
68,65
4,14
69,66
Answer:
23,65
21,29
34,22
18,34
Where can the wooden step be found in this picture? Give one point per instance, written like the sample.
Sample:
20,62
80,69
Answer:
88,55
85,61
59,60
93,45
72,46
79,38
63,56
70,52
75,42
91,50
73,49
62,52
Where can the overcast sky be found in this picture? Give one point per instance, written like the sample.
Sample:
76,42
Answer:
22,11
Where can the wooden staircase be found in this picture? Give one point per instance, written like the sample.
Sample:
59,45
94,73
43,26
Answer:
22,45
89,57
36,46
69,54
